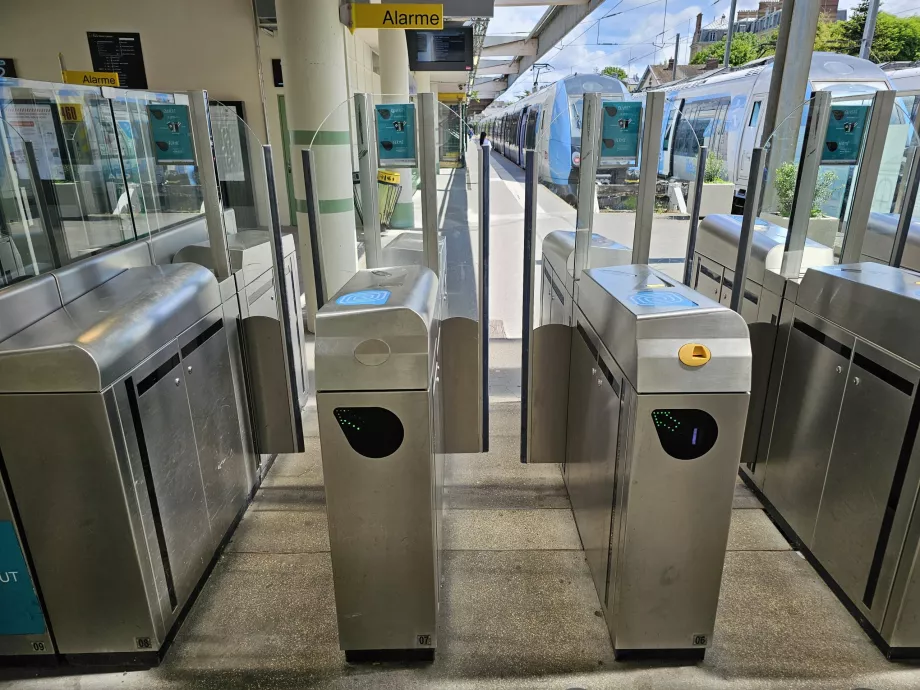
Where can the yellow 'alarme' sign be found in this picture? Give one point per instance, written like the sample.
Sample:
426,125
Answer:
396,16
90,78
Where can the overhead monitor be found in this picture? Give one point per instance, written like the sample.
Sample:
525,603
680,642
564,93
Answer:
447,50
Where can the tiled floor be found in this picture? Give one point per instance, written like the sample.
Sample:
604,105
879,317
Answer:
519,608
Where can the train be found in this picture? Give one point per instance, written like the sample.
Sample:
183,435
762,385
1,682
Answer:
724,110
519,126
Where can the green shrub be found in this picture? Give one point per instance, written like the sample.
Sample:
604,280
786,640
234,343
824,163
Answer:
716,169
784,182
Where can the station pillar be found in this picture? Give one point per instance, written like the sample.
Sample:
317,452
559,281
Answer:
423,81
316,94
394,88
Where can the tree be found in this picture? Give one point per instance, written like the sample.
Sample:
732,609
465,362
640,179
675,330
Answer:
616,72
745,47
896,38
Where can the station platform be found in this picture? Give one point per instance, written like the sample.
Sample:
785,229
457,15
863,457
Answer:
519,608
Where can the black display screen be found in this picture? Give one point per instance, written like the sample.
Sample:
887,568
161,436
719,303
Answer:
685,434
374,432
448,49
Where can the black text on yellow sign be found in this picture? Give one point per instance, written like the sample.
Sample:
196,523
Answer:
70,112
90,78
396,16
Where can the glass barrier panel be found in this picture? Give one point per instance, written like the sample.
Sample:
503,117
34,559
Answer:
163,186
240,169
25,246
72,131
684,132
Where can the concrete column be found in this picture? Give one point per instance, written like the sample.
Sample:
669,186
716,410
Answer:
394,88
423,81
316,94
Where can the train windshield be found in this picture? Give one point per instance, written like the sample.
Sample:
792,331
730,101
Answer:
840,88
575,107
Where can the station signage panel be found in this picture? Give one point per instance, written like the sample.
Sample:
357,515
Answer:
90,78
620,133
22,614
119,52
396,16
7,68
170,131
843,139
396,146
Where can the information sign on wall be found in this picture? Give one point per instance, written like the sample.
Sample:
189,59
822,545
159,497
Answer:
396,135
620,133
171,134
34,122
844,136
395,16
120,53
22,614
91,78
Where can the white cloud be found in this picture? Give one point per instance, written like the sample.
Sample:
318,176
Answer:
514,20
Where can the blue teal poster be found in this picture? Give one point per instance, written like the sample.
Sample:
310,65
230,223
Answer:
396,135
20,612
620,133
844,136
171,134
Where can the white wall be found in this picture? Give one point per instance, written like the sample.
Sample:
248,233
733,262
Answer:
187,44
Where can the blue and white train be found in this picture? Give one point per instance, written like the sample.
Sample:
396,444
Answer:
724,111
554,115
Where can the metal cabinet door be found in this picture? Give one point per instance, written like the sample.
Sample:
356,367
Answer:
750,306
852,532
707,278
600,469
207,372
546,295
582,368
810,396
172,460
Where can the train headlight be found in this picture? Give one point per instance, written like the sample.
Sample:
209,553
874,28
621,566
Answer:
576,158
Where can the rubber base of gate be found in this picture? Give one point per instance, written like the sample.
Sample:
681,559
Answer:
676,656
362,656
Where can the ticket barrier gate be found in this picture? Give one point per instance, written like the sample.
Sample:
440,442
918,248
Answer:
879,241
842,474
656,401
712,274
123,463
379,408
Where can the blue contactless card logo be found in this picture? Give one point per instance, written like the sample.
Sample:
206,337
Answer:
364,298
660,298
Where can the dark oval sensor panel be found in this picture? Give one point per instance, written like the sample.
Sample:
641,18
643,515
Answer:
685,434
373,432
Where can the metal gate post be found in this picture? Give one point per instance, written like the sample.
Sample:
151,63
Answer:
695,213
428,172
587,182
648,175
751,202
367,170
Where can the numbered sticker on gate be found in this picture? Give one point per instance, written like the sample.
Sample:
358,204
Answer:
20,612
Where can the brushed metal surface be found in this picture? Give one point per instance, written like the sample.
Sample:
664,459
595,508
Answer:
249,251
98,338
164,245
208,377
878,302
70,496
292,285
26,303
460,385
644,340
879,240
169,439
559,254
272,411
720,233
672,545
381,532
811,390
76,279
549,393
870,432
405,322
233,327
594,412
901,626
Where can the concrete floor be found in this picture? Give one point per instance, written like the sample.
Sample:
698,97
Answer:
518,608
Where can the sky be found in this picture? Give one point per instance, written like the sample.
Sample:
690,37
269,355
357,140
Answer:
635,29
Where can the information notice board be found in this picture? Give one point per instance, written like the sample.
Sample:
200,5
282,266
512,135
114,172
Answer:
120,53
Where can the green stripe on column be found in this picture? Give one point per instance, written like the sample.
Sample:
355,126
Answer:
328,205
306,137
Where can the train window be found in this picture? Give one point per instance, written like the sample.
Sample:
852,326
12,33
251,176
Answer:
755,114
702,122
575,105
